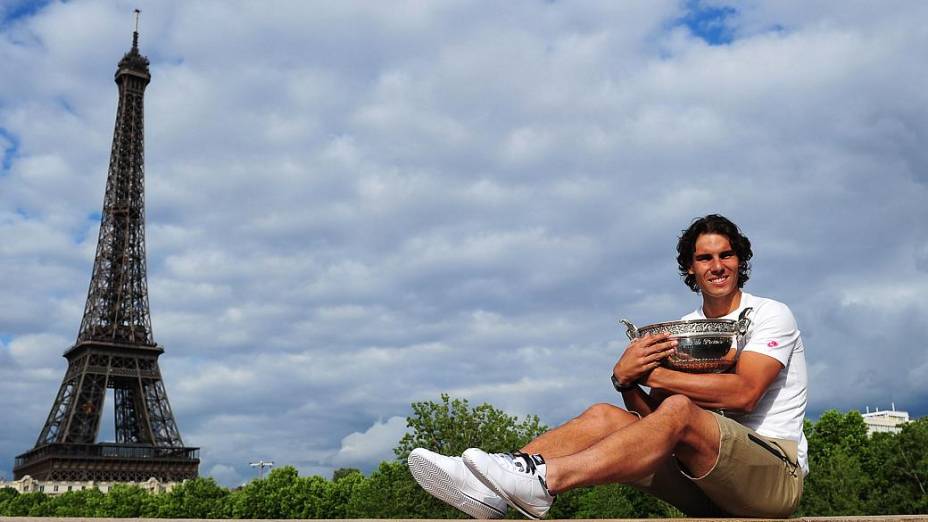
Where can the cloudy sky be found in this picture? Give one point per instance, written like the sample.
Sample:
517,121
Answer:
352,206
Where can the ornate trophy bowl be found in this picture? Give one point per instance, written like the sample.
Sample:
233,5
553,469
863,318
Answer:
704,345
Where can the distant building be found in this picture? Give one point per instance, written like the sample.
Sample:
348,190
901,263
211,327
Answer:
886,421
28,484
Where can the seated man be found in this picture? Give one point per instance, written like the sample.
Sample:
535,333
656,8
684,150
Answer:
710,444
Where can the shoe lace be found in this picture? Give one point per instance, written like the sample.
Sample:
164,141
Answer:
530,466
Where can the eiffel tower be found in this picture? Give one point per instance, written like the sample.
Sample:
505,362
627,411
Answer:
115,348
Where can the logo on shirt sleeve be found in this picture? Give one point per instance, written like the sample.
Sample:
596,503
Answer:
773,344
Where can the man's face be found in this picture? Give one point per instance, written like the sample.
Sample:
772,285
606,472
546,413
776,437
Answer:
715,266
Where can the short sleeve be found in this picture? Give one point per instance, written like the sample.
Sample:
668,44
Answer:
773,332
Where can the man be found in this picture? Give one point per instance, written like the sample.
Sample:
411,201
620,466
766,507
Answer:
710,444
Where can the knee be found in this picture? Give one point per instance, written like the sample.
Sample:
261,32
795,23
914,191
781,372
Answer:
678,406
607,415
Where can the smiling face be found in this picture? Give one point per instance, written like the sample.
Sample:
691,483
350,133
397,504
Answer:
715,267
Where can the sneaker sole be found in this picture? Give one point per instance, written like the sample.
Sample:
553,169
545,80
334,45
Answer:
490,484
439,484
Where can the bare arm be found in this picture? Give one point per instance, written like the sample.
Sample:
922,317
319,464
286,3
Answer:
738,391
640,402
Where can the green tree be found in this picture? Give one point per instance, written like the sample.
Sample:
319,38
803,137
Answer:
341,473
567,505
345,486
284,494
837,484
265,498
155,506
621,501
911,463
391,492
452,426
26,505
838,431
6,494
122,501
898,464
197,498
83,503
607,501
310,497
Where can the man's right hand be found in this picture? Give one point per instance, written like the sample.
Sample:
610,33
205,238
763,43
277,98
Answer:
643,355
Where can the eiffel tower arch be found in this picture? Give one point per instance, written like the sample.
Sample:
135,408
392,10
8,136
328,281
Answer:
115,348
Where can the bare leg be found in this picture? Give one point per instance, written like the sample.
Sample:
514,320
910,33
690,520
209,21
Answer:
590,427
677,427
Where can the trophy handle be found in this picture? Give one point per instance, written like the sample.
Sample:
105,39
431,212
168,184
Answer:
630,330
744,322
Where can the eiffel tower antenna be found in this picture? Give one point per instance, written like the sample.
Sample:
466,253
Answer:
115,348
135,34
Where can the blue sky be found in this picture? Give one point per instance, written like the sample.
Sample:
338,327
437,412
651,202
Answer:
352,206
711,22
14,10
9,146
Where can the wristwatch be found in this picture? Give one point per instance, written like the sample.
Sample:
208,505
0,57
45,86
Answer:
619,387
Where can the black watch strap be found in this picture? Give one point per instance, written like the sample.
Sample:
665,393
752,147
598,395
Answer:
619,387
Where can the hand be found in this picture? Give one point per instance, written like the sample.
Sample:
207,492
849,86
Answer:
643,355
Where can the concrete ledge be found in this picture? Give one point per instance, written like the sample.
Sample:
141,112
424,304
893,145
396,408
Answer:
881,518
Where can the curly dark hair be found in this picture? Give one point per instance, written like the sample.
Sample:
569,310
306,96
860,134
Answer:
713,224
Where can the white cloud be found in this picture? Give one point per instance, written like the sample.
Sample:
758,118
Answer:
374,445
37,350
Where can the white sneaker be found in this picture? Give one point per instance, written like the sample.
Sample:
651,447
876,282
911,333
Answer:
449,480
517,477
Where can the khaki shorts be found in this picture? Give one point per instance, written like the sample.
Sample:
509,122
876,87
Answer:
755,476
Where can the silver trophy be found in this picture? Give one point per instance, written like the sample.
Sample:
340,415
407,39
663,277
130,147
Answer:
704,345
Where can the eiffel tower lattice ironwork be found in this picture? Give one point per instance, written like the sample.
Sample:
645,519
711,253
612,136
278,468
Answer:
115,348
